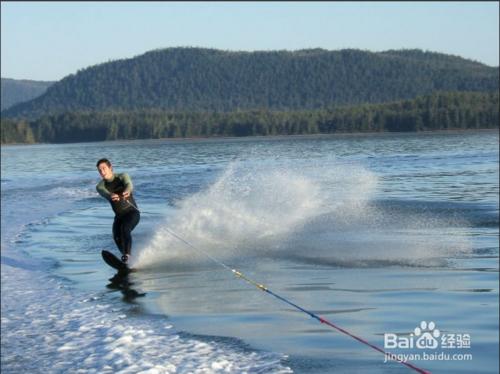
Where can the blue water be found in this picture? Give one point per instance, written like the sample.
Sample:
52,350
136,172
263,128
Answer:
376,233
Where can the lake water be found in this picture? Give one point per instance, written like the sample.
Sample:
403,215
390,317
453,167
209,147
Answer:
375,233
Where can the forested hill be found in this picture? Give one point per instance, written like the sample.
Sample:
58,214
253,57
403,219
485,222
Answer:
16,91
195,79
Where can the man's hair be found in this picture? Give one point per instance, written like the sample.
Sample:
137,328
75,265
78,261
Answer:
105,160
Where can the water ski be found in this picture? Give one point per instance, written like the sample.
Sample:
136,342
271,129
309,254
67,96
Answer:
115,262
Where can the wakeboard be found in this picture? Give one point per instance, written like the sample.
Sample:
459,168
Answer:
115,262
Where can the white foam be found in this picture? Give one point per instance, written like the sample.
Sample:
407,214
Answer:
49,328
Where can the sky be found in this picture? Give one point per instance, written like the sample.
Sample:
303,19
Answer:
50,40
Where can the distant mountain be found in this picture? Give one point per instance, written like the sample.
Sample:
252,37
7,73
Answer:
196,79
15,91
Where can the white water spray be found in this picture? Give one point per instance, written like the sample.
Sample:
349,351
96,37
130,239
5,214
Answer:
320,214
250,208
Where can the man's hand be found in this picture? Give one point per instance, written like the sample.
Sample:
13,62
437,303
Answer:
126,194
115,197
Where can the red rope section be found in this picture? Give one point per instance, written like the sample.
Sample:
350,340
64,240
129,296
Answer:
361,340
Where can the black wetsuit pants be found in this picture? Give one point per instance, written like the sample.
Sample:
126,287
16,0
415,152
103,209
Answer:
122,229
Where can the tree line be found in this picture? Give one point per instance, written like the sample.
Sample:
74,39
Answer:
439,111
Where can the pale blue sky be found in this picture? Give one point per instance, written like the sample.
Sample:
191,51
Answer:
49,40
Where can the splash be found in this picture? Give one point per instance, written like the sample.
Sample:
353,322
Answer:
320,214
252,209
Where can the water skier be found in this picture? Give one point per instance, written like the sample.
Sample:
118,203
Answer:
117,189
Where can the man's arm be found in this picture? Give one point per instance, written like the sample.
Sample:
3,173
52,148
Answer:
129,187
102,190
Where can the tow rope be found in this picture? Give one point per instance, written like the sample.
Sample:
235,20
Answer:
311,314
322,320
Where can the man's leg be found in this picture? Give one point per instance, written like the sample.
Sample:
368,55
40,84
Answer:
117,233
129,221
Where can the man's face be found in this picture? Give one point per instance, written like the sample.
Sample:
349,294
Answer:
105,171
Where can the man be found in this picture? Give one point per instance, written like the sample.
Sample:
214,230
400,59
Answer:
117,189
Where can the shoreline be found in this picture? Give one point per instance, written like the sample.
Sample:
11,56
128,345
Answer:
273,137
